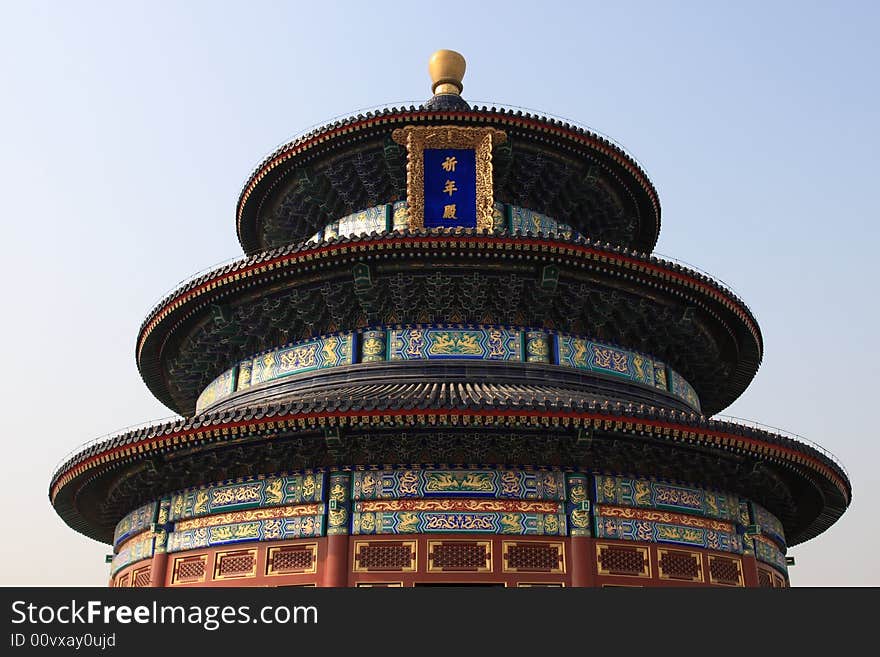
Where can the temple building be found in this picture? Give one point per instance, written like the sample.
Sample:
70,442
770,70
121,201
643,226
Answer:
449,357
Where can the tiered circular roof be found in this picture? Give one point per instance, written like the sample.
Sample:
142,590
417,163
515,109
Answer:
294,285
450,423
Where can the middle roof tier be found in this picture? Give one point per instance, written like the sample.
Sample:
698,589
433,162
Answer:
611,295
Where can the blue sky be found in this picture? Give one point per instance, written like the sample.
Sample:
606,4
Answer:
127,130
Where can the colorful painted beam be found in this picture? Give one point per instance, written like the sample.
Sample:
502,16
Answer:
437,500
448,342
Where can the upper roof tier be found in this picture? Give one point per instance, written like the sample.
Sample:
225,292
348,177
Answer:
552,167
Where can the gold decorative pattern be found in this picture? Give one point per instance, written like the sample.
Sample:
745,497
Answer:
253,514
450,481
418,138
664,516
230,495
275,491
523,506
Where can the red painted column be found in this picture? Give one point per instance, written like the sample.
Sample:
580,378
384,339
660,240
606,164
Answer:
335,565
158,569
580,561
750,570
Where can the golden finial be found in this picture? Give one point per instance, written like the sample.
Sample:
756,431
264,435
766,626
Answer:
447,69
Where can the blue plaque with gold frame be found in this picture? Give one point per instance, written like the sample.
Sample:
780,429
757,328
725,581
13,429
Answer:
431,193
450,187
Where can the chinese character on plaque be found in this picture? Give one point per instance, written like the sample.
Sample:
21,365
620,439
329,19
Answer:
450,187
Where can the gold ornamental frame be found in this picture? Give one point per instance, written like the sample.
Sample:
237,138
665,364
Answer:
418,138
662,553
228,554
487,567
413,546
560,551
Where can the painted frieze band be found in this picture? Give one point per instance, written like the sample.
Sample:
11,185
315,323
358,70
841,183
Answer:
220,388
448,342
315,354
584,354
438,499
135,522
137,549
431,522
460,343
649,531
648,494
768,552
768,524
480,501
513,484
679,387
257,530
274,491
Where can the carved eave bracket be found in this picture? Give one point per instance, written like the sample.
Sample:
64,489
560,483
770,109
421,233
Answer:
418,138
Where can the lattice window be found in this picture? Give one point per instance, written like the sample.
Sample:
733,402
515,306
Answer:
141,578
292,559
389,556
241,563
679,564
460,556
189,569
624,560
534,557
765,579
723,570
779,582
123,580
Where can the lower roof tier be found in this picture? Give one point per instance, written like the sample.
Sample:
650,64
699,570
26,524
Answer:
640,303
411,423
